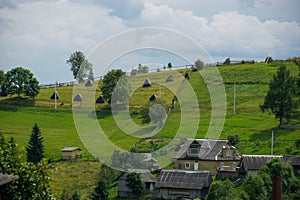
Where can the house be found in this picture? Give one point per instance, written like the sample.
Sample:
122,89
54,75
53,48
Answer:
252,163
4,180
294,161
179,184
206,154
124,191
70,153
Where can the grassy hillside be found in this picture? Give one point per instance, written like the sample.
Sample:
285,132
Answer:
18,116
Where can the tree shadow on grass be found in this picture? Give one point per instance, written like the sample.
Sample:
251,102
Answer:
12,104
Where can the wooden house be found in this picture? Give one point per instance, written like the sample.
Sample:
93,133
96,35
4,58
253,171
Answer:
252,163
294,161
70,153
206,154
179,184
124,191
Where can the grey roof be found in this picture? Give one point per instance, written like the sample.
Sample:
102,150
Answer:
69,149
6,178
212,149
292,160
183,179
255,162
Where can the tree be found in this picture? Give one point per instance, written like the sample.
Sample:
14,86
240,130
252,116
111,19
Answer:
153,111
142,69
100,192
35,147
169,66
75,196
20,80
3,89
135,183
80,66
2,76
221,190
254,188
233,139
126,160
110,85
279,98
297,143
33,182
199,64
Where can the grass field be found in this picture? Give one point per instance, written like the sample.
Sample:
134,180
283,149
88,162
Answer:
18,116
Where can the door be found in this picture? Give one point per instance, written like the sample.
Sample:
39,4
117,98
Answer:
196,166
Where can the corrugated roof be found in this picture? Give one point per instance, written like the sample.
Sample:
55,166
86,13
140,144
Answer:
255,162
6,178
183,179
70,149
292,160
212,149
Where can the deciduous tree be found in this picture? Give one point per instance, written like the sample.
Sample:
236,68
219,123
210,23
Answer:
279,98
20,80
33,181
135,183
199,64
80,66
110,85
100,192
221,190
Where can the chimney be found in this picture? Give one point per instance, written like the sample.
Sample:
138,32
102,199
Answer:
277,188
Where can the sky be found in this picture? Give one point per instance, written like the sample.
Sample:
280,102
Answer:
41,35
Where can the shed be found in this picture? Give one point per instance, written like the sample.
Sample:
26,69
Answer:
78,97
147,83
124,191
252,163
71,153
170,78
88,83
153,97
294,161
179,184
54,95
100,99
7,178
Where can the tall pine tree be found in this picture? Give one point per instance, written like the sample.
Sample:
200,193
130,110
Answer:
35,147
279,98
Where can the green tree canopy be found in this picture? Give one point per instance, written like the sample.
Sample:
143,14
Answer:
169,65
2,76
20,80
254,188
142,69
135,183
279,98
33,181
80,66
35,147
100,192
110,85
233,139
199,64
221,190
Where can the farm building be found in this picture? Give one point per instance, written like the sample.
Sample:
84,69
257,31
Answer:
70,153
206,154
124,191
252,163
100,99
178,184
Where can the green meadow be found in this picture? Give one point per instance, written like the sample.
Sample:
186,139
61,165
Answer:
18,116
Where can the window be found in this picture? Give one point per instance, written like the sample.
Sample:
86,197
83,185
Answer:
228,152
187,165
234,165
193,151
221,165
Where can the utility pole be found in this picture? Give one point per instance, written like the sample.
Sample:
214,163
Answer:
234,94
272,142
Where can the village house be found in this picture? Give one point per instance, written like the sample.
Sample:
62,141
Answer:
252,163
124,191
70,153
179,184
206,154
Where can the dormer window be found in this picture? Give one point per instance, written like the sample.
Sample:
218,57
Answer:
228,152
